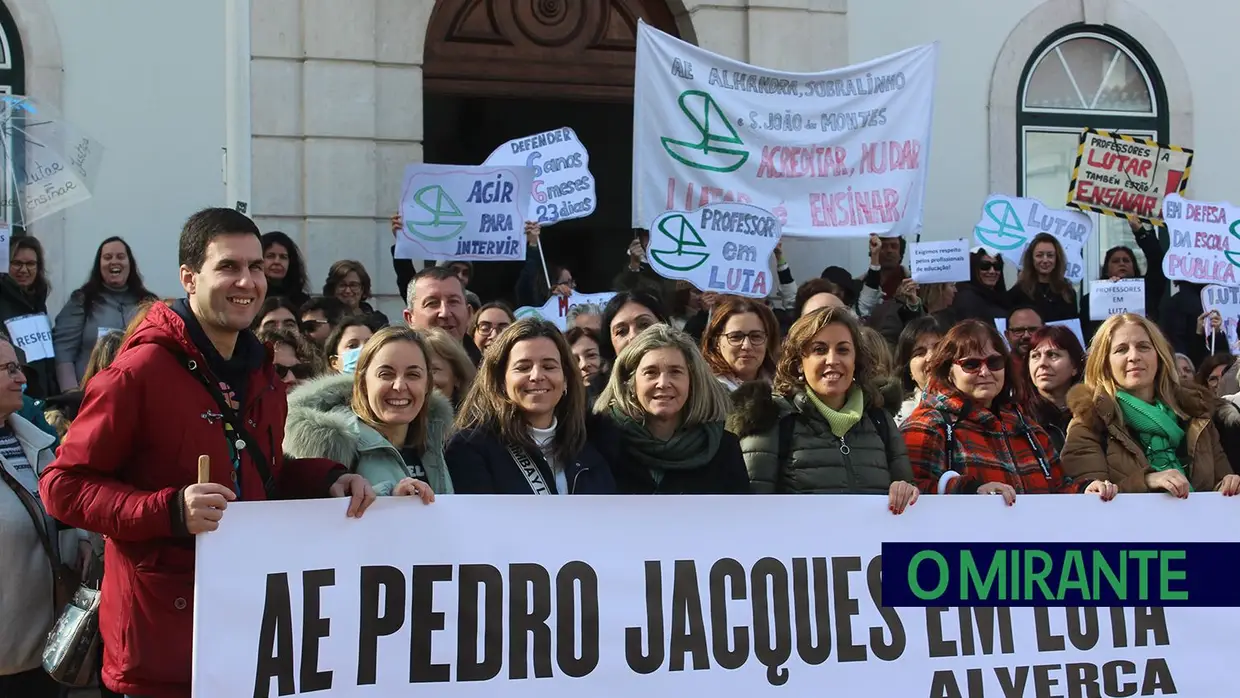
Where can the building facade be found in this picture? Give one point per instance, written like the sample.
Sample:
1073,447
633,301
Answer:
308,110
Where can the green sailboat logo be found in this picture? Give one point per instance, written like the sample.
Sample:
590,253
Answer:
446,220
710,152
679,230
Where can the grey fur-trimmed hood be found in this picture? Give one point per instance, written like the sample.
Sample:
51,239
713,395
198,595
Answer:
322,425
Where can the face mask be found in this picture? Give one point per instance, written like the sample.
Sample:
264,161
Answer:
348,359
23,388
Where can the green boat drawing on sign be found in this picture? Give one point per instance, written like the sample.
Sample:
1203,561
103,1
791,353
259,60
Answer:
679,230
446,220
716,132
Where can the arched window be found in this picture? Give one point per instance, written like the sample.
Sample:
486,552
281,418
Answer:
12,82
1084,76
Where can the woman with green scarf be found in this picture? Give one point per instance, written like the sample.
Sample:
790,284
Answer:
1135,424
664,413
823,430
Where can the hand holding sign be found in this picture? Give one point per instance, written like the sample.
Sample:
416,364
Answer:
724,247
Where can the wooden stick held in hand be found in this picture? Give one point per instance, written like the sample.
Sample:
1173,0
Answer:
204,469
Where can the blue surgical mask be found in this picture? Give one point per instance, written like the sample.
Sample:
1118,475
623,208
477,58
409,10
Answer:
23,388
348,359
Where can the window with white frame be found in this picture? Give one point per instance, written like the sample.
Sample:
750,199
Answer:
1084,77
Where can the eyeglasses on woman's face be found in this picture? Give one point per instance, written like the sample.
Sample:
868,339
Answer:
736,339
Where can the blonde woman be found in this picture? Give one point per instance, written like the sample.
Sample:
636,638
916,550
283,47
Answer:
384,420
823,430
668,412
451,369
522,426
1134,423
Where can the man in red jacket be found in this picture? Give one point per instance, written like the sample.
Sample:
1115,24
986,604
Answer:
191,380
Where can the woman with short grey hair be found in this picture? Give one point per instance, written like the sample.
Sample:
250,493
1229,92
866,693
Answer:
668,415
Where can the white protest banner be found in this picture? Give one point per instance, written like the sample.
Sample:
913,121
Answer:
1120,175
940,262
456,212
1202,235
557,308
33,335
1107,298
1008,223
1074,325
6,233
1226,300
563,186
720,248
625,599
832,154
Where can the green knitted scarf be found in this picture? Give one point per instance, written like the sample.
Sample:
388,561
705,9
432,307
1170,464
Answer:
1157,429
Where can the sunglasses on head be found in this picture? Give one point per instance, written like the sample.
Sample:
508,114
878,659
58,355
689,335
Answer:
973,364
989,266
300,371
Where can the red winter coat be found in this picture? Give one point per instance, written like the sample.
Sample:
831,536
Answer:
120,471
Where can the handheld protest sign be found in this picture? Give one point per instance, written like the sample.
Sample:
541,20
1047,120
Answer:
204,469
722,248
1120,175
563,187
1204,238
1008,223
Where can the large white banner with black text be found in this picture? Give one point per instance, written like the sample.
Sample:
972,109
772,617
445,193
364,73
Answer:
550,597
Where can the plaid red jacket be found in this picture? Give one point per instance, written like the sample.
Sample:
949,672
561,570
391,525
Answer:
986,446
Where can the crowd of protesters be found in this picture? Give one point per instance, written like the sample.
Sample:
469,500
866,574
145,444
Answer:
849,383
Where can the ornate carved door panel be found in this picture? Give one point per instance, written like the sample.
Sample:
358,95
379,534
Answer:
560,49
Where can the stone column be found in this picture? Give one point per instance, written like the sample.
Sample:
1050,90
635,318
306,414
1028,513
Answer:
336,113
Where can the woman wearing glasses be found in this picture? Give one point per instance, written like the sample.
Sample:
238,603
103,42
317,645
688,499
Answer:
490,320
984,296
969,436
23,292
823,429
741,342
